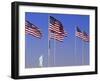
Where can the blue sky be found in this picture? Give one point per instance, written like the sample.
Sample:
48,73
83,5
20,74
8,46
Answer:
71,52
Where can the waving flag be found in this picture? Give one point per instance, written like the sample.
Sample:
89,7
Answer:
79,33
82,35
85,37
32,30
56,29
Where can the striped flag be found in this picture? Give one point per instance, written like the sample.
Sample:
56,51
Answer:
56,29
85,37
82,35
33,30
79,33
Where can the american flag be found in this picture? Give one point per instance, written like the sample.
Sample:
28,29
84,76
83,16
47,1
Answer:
85,37
82,35
33,30
56,29
79,33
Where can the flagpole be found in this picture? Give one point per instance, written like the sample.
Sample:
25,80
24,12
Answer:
48,43
75,48
82,51
54,50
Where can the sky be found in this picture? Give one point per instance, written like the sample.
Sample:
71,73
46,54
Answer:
71,52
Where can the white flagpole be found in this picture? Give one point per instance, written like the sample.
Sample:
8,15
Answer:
54,50
75,48
48,41
82,51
